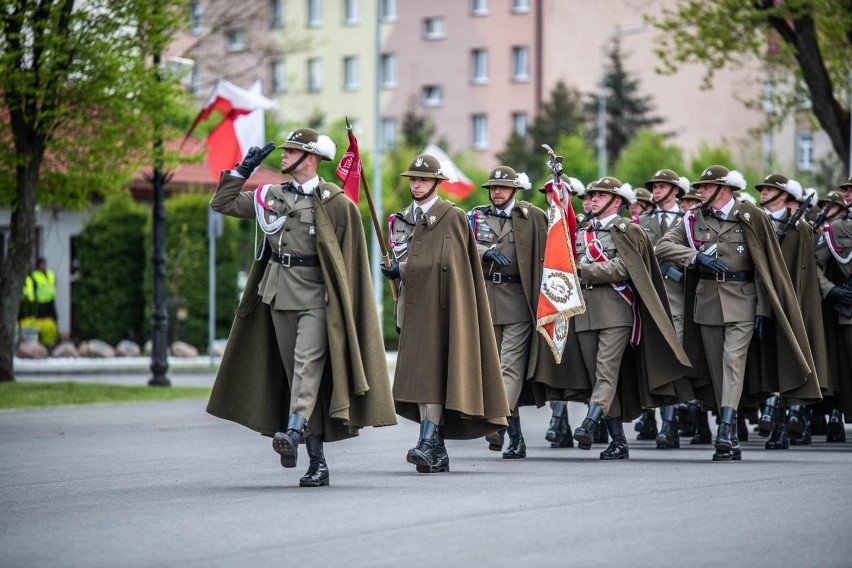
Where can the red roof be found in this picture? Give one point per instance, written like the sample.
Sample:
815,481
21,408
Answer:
195,176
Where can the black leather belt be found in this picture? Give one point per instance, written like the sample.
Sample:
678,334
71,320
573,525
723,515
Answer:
744,276
289,260
500,278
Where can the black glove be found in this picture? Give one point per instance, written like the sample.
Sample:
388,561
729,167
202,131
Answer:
711,263
253,158
840,295
390,272
758,326
491,255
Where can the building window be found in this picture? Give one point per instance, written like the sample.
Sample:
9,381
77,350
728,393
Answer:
388,71
805,151
433,95
479,74
387,10
519,123
278,76
434,28
480,132
387,136
314,13
314,75
520,63
350,12
196,13
276,14
350,73
520,6
237,40
479,7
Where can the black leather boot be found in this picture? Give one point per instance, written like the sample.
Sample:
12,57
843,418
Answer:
440,458
736,451
725,434
586,432
317,474
687,417
835,431
601,435
795,421
554,432
617,449
287,443
669,436
421,454
495,440
803,439
565,432
703,434
779,440
767,423
646,426
742,428
517,448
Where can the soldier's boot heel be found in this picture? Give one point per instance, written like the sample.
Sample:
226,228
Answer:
647,426
766,424
286,443
795,420
584,434
835,431
565,433
617,449
440,457
517,448
495,440
554,431
669,436
421,454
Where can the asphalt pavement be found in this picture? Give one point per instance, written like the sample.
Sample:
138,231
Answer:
165,484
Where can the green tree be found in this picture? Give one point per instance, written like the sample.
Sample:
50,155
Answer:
627,111
77,85
417,129
559,116
807,39
646,153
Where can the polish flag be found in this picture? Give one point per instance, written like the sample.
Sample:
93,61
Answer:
240,126
560,296
459,185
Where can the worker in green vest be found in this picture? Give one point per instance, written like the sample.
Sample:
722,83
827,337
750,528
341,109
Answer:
44,282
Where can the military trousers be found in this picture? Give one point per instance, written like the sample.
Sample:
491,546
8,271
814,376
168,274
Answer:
303,344
431,411
513,342
726,348
603,350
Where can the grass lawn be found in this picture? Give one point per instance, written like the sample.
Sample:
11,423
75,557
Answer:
34,395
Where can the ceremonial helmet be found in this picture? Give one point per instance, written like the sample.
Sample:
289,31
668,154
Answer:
425,166
310,141
613,186
847,184
644,196
778,181
691,195
720,175
504,176
833,196
666,176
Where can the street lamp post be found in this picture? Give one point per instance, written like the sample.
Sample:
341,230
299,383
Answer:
602,134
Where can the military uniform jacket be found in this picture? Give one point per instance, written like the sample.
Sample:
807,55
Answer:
650,221
649,373
251,386
710,303
447,351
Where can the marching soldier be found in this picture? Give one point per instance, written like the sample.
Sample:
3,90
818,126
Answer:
448,375
310,294
689,199
780,198
642,202
622,288
510,237
736,278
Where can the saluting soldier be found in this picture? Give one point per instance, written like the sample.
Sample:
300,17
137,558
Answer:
309,294
834,257
781,197
625,305
448,374
510,237
737,278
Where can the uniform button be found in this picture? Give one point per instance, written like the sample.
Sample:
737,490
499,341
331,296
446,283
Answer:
287,229
444,269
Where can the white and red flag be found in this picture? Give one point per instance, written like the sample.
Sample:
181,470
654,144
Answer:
560,296
459,185
349,170
240,125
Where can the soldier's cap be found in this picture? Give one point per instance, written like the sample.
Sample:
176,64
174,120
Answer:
847,184
613,186
425,166
310,141
778,181
504,176
574,185
644,196
834,196
691,195
720,175
668,176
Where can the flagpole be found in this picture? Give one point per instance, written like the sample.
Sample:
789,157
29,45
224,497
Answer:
376,227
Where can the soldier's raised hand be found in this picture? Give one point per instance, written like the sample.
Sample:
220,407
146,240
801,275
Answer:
253,158
711,263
